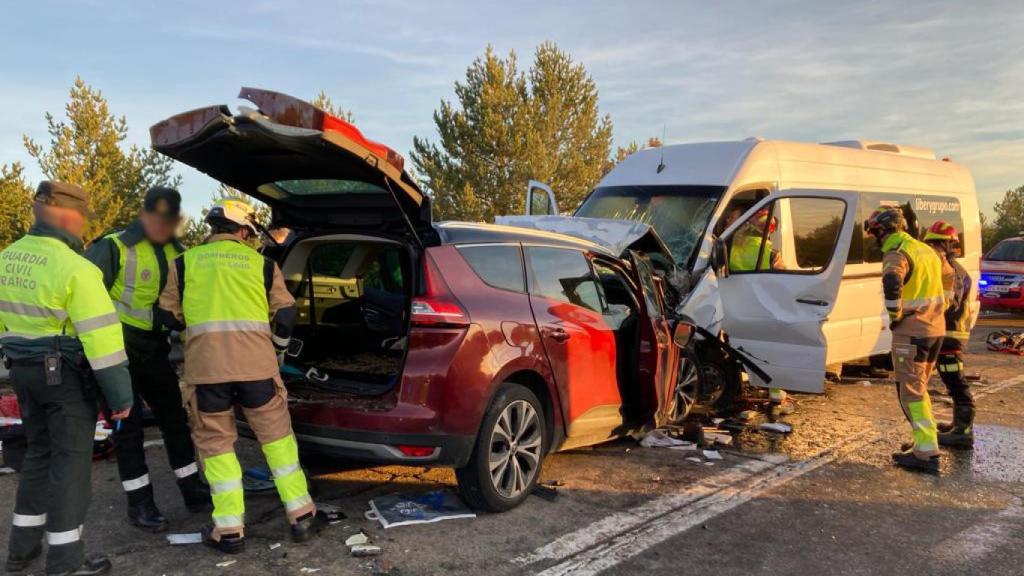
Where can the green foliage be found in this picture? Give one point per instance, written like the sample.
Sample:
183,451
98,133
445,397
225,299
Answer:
195,230
324,102
623,152
15,204
509,126
1009,220
86,149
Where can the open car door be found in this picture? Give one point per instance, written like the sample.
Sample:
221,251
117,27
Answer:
785,262
659,357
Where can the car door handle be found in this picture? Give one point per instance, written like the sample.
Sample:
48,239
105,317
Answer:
812,301
558,334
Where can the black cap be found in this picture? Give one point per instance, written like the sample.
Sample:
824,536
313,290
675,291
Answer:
64,195
164,202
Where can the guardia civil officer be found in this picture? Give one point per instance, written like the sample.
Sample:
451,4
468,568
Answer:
61,336
134,262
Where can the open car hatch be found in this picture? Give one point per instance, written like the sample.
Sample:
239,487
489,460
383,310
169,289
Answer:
311,167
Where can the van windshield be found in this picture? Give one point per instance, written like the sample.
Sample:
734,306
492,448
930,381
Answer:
679,214
1008,251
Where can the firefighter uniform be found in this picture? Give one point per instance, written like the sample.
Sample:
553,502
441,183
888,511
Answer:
134,272
912,284
61,337
225,293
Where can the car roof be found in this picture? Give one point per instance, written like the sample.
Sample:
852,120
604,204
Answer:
459,233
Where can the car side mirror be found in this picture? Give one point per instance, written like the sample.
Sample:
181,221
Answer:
720,258
682,334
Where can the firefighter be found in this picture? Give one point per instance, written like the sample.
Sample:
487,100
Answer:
752,252
134,263
960,432
238,317
912,284
61,337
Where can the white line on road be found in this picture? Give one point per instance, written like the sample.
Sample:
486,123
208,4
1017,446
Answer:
980,540
616,538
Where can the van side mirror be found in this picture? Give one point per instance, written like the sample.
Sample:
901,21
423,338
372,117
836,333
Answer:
682,334
720,258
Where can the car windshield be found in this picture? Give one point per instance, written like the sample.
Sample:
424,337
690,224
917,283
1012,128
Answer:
679,214
1007,250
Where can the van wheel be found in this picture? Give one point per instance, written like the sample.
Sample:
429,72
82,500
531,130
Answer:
721,385
509,450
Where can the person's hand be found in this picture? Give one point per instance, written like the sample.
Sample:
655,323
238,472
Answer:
895,319
121,414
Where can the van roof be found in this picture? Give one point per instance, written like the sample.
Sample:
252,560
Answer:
855,164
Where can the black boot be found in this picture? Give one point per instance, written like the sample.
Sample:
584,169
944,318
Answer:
228,543
91,567
196,494
19,563
306,528
147,516
961,433
909,461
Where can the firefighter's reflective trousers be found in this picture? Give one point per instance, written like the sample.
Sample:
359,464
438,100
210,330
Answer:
951,370
264,404
913,358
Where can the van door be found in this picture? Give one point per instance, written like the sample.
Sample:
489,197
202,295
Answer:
786,257
540,200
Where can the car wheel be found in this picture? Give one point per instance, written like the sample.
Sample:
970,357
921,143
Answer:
508,453
721,384
688,387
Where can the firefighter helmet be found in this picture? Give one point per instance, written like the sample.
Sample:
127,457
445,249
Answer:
232,211
941,231
885,220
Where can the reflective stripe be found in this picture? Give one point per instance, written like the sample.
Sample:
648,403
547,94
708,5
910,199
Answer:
919,302
228,326
25,335
298,503
280,342
286,470
28,521
144,315
132,485
892,304
66,537
958,334
922,424
131,263
97,323
225,486
186,471
228,521
109,360
32,310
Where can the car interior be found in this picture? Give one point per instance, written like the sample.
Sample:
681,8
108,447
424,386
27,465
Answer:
622,313
352,296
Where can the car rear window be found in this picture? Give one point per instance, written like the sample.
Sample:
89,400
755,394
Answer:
500,265
326,186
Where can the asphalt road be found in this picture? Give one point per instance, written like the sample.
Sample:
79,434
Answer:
823,500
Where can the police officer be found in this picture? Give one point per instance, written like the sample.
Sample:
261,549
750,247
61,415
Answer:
60,335
912,285
134,263
238,317
960,432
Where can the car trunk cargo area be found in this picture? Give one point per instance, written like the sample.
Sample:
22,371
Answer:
353,299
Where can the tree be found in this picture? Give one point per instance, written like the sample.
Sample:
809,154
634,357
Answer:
194,230
324,102
1009,220
87,149
510,126
623,152
15,204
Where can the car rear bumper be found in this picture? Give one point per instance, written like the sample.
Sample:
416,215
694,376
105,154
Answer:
378,447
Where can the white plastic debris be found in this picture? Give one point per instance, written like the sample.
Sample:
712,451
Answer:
684,447
225,564
659,439
864,383
776,427
717,421
309,570
694,459
357,539
275,545
712,455
718,438
365,550
183,539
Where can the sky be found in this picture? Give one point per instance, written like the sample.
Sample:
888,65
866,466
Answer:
944,75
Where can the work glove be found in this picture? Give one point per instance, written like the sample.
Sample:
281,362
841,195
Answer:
895,318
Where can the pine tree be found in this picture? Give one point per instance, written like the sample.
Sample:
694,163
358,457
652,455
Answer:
15,204
324,102
195,230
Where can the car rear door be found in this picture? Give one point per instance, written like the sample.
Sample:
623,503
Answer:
786,258
579,344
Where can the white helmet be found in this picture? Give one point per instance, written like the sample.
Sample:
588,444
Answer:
233,211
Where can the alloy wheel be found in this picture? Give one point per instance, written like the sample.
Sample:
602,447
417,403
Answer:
516,443
687,389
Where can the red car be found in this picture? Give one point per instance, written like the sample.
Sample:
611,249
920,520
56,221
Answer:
1002,276
466,345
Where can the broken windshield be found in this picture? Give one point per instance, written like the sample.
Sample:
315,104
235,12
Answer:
679,214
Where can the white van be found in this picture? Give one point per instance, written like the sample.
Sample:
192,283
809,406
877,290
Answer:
815,298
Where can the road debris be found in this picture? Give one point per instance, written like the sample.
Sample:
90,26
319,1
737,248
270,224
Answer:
330,513
406,509
712,455
226,563
778,427
184,539
363,550
694,459
257,479
275,546
660,439
357,539
305,570
747,415
549,493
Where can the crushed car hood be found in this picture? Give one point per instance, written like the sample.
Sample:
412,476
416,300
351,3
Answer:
618,236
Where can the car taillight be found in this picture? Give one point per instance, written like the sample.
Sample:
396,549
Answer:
417,451
437,307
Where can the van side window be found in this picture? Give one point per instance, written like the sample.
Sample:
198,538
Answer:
500,265
920,212
738,204
804,246
563,275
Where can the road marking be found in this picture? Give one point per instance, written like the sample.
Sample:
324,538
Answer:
616,538
983,538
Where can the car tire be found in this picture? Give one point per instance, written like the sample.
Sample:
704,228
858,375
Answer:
721,383
686,392
514,437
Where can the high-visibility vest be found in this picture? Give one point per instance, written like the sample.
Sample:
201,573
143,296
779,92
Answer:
47,290
224,289
743,256
137,286
924,286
